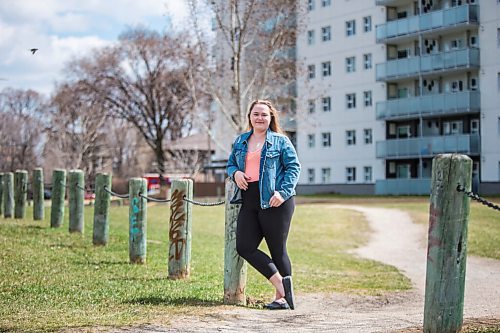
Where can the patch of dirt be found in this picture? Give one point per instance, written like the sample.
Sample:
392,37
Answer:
396,241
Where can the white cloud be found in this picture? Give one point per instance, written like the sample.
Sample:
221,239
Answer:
64,29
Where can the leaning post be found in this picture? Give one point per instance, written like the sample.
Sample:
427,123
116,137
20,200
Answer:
8,195
101,209
447,244
20,193
137,220
235,268
38,199
58,196
1,192
76,191
179,256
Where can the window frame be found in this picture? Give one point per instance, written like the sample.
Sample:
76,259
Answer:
350,28
350,100
350,64
326,139
326,101
350,137
326,33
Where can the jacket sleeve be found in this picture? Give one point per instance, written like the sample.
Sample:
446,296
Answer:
232,165
292,170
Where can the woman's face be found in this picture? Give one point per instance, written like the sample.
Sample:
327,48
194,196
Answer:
260,117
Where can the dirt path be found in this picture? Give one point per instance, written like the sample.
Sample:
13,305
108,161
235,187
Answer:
396,241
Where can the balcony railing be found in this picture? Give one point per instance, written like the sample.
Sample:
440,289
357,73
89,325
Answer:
403,186
436,104
428,146
413,66
429,21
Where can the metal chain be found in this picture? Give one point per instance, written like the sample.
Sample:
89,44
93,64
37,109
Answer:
123,196
153,199
476,197
80,187
204,203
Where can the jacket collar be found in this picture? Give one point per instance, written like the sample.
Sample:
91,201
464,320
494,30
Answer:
269,135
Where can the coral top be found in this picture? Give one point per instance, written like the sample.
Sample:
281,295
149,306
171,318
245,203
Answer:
252,165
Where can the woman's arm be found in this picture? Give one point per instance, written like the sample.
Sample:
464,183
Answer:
292,170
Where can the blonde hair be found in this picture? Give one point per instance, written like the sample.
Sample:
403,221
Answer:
275,120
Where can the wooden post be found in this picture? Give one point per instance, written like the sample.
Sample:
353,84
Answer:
20,192
235,268
101,209
138,220
58,195
76,191
1,192
38,199
179,256
447,245
8,194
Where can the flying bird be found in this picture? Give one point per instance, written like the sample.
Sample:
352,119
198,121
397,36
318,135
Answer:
33,50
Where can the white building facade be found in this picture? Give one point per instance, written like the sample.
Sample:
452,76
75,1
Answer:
389,84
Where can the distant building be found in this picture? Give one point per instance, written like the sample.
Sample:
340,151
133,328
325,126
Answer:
388,85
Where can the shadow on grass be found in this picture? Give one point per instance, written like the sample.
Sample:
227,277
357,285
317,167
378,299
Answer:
155,300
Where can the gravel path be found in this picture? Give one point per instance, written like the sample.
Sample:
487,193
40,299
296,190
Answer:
396,241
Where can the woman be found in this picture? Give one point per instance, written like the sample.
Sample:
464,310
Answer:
265,168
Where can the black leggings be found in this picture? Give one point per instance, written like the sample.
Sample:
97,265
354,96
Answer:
272,224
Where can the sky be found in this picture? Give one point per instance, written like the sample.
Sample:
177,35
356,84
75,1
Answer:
65,29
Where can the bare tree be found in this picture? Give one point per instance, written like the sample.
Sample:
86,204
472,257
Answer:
20,129
253,54
144,80
76,136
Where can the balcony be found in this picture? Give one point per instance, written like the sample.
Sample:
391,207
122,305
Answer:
428,146
403,186
440,19
429,105
427,64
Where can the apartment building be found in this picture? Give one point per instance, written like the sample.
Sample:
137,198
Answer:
392,83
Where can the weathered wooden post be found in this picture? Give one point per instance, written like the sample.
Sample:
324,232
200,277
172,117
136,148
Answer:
1,193
235,268
138,210
38,199
20,193
76,191
8,195
447,244
58,195
101,209
179,256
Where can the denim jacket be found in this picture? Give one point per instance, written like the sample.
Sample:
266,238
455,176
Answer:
279,166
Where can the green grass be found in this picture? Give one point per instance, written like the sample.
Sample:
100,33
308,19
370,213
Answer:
50,279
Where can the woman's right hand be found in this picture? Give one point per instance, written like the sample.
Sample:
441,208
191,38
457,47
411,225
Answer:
240,179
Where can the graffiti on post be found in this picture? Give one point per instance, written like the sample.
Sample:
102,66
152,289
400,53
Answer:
134,226
177,222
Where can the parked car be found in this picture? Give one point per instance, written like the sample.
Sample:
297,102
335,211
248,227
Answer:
89,196
47,194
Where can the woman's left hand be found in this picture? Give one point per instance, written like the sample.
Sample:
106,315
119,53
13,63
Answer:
276,200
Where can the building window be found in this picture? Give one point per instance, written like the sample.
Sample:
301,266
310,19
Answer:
310,5
350,137
498,35
311,140
351,101
368,174
325,175
311,106
326,103
326,139
350,28
311,176
350,174
367,133
367,23
326,33
498,79
325,3
350,64
367,97
310,37
327,68
474,126
367,61
311,69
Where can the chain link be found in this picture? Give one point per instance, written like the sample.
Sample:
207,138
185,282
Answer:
123,196
476,197
204,203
